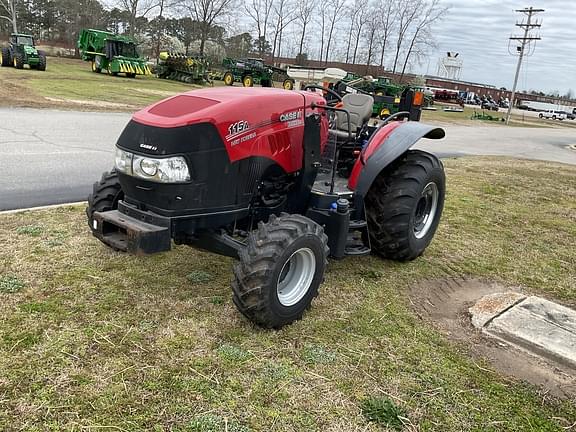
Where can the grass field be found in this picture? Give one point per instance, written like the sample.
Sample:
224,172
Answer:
71,84
94,340
524,120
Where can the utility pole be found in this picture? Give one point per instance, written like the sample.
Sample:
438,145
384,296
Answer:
525,41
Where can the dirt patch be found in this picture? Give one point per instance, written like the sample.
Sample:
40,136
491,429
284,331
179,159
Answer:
95,104
445,303
158,92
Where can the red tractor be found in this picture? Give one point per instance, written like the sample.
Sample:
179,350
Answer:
279,180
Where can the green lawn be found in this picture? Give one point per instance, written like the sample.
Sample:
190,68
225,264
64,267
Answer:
91,339
67,83
464,117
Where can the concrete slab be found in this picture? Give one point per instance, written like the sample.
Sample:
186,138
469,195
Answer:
492,305
537,325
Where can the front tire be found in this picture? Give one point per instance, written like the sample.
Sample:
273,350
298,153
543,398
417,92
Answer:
41,66
280,271
248,81
404,206
105,196
95,67
18,61
288,84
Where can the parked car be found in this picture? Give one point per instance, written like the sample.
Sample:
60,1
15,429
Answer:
553,114
490,105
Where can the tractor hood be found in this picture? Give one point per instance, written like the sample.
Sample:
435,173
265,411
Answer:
245,122
228,105
30,50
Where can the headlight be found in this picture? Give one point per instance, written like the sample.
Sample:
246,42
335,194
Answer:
123,161
161,170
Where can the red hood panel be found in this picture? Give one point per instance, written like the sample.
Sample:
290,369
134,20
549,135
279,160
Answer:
263,122
180,106
215,104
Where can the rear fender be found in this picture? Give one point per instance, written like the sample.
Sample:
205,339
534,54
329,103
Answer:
386,145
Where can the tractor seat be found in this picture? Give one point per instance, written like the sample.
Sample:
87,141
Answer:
360,108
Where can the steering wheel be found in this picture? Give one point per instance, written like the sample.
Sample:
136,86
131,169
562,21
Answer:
332,92
332,115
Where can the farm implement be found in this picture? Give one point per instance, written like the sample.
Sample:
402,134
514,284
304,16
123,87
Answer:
111,53
182,67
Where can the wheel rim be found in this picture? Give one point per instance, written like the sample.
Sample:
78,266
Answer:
247,82
288,85
296,277
227,79
426,210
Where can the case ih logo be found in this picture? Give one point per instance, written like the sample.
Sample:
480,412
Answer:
289,116
148,147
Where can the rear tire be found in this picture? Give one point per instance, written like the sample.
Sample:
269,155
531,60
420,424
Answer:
404,206
105,195
5,61
280,271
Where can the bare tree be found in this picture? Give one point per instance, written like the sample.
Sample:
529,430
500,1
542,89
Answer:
407,14
358,24
207,13
259,11
430,13
135,9
387,20
8,12
353,11
336,9
323,14
372,28
284,17
304,12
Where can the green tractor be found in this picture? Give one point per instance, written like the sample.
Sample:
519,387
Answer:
387,95
111,53
22,52
250,71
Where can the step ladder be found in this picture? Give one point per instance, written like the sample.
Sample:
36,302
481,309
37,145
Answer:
358,241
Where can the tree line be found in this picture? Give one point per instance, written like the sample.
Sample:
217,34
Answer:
394,34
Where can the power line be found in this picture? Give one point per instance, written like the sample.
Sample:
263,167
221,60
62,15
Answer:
525,41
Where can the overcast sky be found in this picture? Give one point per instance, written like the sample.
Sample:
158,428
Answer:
479,31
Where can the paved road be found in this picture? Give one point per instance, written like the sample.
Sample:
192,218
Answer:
51,157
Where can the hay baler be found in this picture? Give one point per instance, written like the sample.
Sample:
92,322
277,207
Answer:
112,53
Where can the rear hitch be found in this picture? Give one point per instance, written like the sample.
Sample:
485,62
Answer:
128,234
